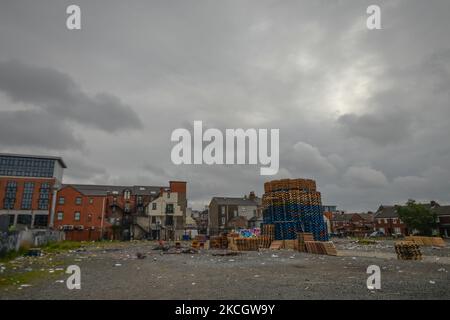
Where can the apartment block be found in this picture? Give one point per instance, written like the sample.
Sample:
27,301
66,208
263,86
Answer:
28,188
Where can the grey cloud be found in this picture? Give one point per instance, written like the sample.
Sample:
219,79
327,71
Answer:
382,127
371,108
36,129
60,95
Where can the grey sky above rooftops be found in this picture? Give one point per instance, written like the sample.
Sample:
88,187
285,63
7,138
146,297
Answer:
365,113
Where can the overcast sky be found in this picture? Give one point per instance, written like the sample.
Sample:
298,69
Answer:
365,113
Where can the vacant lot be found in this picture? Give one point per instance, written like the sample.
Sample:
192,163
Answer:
113,271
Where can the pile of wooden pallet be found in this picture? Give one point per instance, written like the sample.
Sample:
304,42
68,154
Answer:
246,244
219,242
426,241
269,231
321,247
407,250
264,241
302,237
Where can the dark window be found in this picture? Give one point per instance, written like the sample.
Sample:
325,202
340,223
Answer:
44,196
153,219
11,219
10,195
78,200
169,208
27,197
169,221
61,200
77,216
24,219
40,220
60,216
26,167
154,206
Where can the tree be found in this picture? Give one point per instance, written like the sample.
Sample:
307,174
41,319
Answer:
417,216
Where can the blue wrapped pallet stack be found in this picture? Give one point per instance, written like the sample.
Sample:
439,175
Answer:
292,206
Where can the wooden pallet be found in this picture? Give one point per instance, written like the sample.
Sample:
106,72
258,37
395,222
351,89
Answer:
276,245
408,250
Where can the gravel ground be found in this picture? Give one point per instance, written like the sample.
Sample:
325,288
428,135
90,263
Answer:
114,272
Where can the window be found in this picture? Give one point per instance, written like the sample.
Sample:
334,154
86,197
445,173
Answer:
27,197
89,217
223,210
153,219
61,200
60,215
169,221
91,200
127,194
40,220
77,216
10,195
44,196
24,219
168,195
154,206
78,200
169,208
26,167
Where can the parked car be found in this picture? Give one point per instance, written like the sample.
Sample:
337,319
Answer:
376,234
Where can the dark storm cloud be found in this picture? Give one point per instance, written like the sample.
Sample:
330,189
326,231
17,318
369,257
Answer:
363,112
58,94
31,128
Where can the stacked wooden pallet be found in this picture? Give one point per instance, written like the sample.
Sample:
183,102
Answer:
301,238
426,241
276,245
269,231
219,242
264,241
407,250
329,248
246,244
315,247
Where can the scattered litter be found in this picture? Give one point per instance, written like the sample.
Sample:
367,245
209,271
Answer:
118,265
193,283
140,255
442,270
25,285
231,260
274,256
256,275
59,281
432,282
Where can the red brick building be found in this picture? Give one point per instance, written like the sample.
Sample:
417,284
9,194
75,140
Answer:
91,212
28,186
388,221
352,224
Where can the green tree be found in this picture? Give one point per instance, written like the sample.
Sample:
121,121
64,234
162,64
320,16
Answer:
417,216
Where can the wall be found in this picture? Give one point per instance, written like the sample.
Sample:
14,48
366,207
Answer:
32,238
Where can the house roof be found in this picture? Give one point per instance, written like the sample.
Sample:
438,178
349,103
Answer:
367,216
103,190
33,156
442,210
343,217
236,201
391,211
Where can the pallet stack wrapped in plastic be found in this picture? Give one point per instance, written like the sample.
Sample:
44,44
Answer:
292,206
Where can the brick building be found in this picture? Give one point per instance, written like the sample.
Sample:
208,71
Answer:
28,187
91,212
388,221
223,210
352,224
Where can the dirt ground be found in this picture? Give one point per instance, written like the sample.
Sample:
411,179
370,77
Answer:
113,271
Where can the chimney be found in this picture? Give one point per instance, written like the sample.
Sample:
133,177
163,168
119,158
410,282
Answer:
252,196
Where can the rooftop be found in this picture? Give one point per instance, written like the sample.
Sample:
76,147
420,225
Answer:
32,156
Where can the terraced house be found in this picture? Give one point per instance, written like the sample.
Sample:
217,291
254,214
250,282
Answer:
28,187
388,221
92,212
